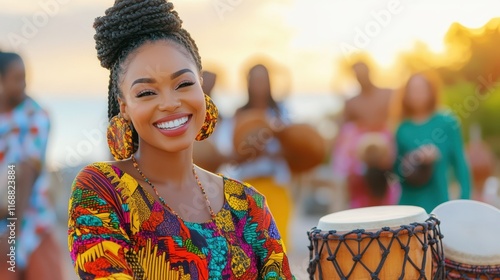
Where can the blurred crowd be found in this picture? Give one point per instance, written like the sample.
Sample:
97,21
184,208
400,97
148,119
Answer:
393,146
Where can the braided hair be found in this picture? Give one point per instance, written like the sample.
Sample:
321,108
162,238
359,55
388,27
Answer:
128,25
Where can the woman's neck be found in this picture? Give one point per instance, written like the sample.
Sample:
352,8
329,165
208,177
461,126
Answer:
166,169
258,104
420,117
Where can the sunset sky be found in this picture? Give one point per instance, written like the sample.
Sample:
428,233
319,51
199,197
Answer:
305,39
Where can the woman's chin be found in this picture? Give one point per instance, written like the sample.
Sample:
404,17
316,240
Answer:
176,146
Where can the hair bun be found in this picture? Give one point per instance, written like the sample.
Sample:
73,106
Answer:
129,20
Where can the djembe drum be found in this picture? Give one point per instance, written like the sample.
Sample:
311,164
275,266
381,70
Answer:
252,132
382,242
471,246
374,150
303,147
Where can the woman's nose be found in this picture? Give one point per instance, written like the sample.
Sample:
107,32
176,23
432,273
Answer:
169,102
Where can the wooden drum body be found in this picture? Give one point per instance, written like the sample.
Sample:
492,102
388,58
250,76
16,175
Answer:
383,242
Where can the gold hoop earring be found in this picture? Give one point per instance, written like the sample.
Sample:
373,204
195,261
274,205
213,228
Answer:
211,117
119,135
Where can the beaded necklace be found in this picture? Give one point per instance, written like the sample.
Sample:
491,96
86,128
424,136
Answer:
163,202
230,242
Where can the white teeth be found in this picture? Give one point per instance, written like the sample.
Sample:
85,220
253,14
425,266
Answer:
173,124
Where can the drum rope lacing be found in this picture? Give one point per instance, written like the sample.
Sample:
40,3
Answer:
456,270
431,237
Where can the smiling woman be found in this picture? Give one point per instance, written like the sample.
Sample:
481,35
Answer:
152,213
175,94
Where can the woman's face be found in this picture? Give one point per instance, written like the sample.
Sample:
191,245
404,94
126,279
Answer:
259,85
418,94
162,96
14,81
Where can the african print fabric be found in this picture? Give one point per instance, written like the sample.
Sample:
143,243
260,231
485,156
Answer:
117,230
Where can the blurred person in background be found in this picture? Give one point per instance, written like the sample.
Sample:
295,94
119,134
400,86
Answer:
429,142
364,149
491,191
482,164
257,150
207,154
24,130
209,79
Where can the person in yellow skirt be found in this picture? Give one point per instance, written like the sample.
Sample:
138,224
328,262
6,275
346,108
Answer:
259,157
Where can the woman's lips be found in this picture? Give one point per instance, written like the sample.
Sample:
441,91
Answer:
174,125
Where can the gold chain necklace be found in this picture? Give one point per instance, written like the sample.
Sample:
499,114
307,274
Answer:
163,202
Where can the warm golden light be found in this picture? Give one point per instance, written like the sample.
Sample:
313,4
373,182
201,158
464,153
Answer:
310,38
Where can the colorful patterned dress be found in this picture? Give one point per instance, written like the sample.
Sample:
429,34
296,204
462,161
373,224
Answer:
117,230
24,133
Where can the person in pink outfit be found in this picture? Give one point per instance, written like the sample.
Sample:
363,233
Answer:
364,149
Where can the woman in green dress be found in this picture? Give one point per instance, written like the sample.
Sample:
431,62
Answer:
429,142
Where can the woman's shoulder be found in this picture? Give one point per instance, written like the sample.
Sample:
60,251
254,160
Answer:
446,116
240,189
98,175
99,168
437,118
103,182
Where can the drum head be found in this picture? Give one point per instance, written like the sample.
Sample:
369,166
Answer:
471,232
373,218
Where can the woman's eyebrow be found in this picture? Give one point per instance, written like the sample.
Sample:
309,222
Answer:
143,81
180,72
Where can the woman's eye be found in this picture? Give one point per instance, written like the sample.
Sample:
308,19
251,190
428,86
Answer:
185,84
145,93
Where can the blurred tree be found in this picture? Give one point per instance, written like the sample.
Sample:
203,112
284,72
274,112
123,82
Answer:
469,69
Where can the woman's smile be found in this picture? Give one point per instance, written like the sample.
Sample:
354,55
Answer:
173,125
